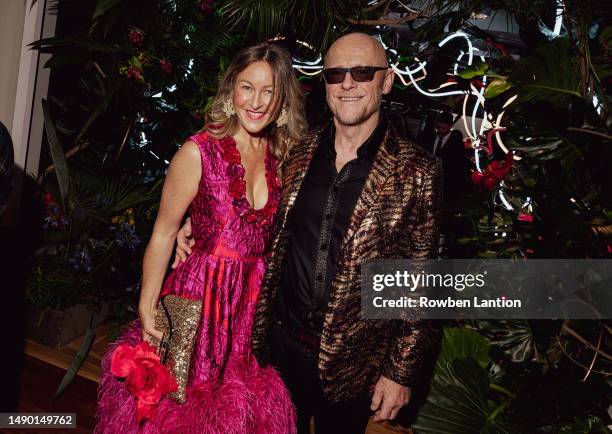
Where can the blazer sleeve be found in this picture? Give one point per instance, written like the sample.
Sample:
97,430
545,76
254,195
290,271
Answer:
415,342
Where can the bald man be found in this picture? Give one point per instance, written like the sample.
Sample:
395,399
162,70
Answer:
353,191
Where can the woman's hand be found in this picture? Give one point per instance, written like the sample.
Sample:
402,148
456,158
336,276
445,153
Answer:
147,321
184,243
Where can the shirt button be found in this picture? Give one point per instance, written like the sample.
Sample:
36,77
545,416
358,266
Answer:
328,216
279,322
319,278
324,247
335,189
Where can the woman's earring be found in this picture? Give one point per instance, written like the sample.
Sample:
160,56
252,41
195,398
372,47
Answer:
228,108
283,117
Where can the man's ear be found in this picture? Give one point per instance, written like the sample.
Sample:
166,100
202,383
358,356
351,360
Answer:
388,81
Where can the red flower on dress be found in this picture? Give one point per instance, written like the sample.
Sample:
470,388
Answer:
237,185
493,173
230,153
237,188
145,376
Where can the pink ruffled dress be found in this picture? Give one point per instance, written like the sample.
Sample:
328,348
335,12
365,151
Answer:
225,270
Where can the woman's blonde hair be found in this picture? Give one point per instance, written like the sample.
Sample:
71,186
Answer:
287,94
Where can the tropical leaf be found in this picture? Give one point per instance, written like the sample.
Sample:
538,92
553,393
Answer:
82,42
102,6
461,343
458,404
496,88
57,155
550,74
76,363
514,338
121,195
313,22
475,70
99,109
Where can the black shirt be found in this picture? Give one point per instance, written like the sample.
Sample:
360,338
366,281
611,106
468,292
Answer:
316,227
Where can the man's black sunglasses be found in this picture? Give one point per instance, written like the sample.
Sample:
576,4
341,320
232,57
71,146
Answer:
358,73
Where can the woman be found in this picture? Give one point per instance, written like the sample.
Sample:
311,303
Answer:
227,176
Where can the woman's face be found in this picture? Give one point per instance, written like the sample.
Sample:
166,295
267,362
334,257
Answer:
253,97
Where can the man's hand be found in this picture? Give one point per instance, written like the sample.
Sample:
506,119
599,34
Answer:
184,243
388,398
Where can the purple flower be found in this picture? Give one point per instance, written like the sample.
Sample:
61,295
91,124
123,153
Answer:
81,260
125,235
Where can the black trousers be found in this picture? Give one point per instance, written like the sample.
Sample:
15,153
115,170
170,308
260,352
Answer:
297,365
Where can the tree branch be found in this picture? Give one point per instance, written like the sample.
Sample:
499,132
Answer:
583,341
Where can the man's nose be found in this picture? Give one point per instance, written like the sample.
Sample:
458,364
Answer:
348,82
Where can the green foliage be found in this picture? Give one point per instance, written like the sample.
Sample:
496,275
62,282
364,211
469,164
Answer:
460,398
550,74
590,425
460,343
514,338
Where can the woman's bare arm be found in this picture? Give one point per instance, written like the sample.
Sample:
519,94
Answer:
180,188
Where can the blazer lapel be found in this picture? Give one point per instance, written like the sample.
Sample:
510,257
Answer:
384,164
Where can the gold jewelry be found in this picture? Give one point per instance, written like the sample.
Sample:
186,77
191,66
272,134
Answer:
283,117
228,108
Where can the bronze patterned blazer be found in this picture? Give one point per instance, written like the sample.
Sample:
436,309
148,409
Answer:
396,216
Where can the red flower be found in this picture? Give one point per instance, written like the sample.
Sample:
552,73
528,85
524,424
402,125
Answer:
237,188
231,154
206,6
251,217
134,73
146,378
165,66
136,37
525,217
48,198
494,173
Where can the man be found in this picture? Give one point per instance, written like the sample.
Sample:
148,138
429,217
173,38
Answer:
448,146
353,191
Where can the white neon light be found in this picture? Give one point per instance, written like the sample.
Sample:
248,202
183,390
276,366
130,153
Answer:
461,54
477,160
424,92
504,200
558,19
303,65
480,101
307,67
498,138
459,35
464,117
308,73
442,86
510,101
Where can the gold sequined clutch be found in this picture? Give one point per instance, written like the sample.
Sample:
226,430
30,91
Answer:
178,318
